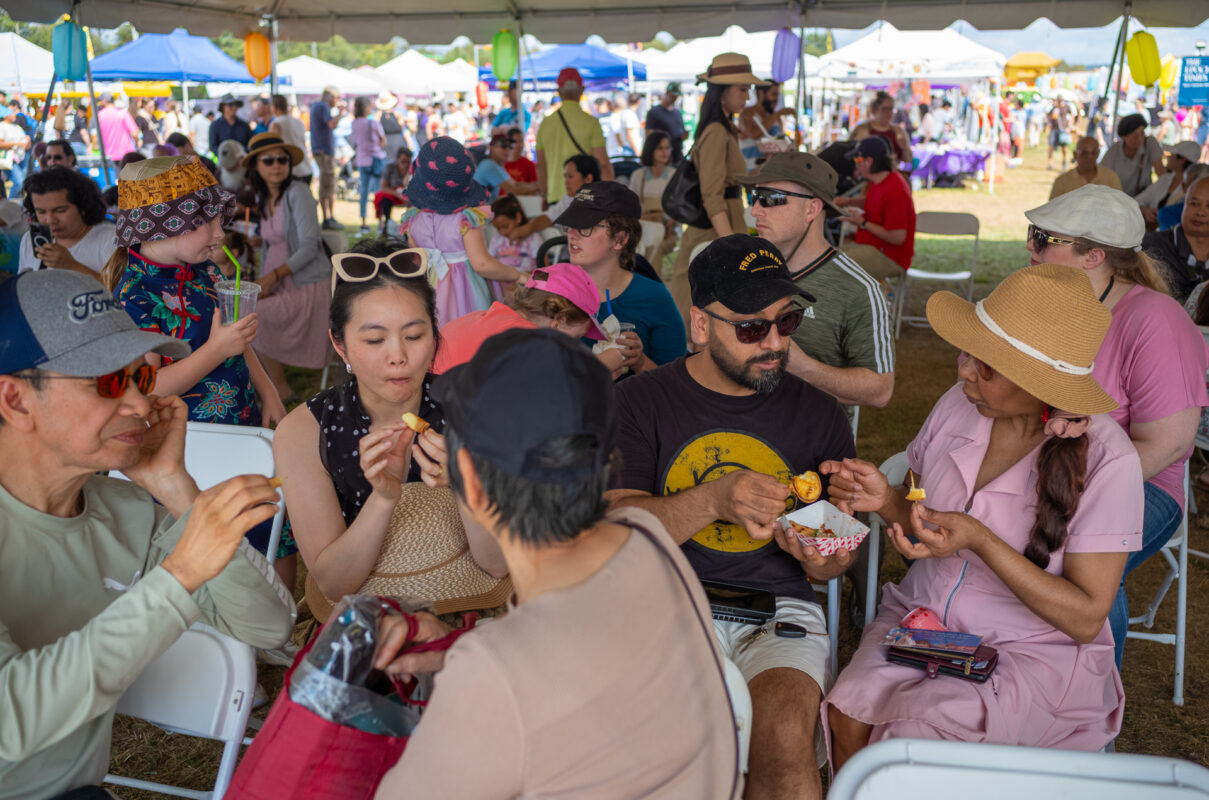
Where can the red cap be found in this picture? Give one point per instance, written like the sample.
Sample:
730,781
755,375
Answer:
568,75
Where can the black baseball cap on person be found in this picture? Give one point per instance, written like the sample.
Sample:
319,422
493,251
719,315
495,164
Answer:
869,147
597,200
745,273
523,389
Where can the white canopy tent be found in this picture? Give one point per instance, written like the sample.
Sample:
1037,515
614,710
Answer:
887,54
572,20
24,67
412,73
307,76
688,59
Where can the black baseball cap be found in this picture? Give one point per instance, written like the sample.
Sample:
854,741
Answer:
869,147
745,273
524,388
597,200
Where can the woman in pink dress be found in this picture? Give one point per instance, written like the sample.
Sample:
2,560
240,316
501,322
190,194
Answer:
1034,501
447,214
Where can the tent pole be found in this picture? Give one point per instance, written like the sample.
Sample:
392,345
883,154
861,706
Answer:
520,76
96,119
1103,105
50,93
801,92
273,55
1116,100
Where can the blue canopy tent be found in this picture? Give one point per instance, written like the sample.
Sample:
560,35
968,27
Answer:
600,68
175,56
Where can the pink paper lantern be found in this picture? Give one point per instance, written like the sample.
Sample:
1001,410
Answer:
786,49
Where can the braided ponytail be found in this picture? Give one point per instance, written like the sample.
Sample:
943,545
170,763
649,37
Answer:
1061,474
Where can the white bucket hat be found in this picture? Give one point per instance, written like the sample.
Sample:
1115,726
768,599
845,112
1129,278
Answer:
1101,214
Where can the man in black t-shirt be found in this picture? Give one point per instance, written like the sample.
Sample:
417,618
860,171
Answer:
708,444
666,117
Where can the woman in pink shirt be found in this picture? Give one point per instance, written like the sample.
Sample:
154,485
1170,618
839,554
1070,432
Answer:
1153,360
1034,500
370,142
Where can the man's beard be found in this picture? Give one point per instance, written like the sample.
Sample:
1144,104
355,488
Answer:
761,381
769,105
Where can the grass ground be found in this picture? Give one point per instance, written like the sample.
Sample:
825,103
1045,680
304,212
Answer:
926,368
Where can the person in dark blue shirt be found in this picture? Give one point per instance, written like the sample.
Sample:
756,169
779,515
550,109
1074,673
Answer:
666,117
603,230
228,125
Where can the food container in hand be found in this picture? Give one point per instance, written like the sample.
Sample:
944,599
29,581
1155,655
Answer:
847,532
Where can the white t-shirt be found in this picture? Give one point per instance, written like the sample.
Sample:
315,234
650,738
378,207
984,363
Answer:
293,132
1134,172
199,127
92,251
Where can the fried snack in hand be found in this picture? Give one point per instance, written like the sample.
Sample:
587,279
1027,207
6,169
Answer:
415,423
807,486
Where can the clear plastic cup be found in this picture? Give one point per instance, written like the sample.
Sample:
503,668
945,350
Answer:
623,327
227,293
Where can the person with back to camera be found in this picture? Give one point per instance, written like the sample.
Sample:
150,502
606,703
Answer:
1026,429
719,162
532,430
1153,359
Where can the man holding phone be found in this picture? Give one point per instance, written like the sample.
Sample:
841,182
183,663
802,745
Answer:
708,444
71,231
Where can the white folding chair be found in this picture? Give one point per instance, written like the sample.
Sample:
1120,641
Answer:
1177,571
937,223
740,703
831,593
652,235
531,204
200,686
913,769
895,470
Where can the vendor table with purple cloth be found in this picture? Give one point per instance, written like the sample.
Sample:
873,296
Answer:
933,161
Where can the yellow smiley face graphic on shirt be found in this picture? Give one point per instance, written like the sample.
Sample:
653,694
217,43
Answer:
712,455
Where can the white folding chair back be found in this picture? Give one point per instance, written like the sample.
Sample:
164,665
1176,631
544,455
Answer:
214,453
914,769
895,470
832,593
937,223
1177,571
531,204
740,703
652,235
200,686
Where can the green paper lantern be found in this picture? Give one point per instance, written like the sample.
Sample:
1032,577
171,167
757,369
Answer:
69,45
505,55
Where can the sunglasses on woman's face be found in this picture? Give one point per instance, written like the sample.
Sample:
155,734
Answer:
750,331
358,267
269,161
1041,239
113,385
764,196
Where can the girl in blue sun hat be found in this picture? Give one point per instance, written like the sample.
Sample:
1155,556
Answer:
447,215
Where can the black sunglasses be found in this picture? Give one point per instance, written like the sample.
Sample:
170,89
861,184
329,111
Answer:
750,331
1042,239
768,198
270,160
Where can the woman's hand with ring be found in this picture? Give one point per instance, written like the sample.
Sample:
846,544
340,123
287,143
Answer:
431,456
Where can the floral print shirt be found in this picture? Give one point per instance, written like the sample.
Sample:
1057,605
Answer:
179,300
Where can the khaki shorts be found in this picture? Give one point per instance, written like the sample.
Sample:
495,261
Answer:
327,175
874,261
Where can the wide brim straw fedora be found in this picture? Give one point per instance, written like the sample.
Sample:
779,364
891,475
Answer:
730,68
1050,327
268,141
425,556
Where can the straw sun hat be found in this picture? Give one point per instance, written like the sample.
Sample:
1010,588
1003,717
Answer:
1040,328
730,68
269,141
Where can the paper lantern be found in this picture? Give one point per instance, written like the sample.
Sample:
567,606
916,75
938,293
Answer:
1169,72
1143,54
256,56
786,49
480,95
69,44
505,55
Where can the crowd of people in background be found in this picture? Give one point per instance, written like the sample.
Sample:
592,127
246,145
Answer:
524,287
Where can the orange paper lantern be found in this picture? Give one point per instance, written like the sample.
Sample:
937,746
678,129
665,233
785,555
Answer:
256,55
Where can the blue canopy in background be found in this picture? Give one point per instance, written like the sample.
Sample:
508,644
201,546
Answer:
175,56
598,66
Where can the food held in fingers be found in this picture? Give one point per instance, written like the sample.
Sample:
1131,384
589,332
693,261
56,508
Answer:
417,424
807,486
915,493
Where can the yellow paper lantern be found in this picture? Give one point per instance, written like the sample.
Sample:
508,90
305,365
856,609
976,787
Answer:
1143,54
256,55
1170,71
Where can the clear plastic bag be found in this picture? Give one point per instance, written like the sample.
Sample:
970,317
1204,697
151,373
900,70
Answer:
337,680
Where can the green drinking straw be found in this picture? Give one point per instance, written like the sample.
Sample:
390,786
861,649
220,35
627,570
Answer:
234,261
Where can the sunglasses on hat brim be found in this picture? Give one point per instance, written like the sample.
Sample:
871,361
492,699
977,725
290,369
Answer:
359,267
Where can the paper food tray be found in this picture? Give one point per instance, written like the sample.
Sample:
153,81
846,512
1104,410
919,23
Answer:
849,531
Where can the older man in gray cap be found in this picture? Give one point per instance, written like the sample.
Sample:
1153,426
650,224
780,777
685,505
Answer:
101,576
